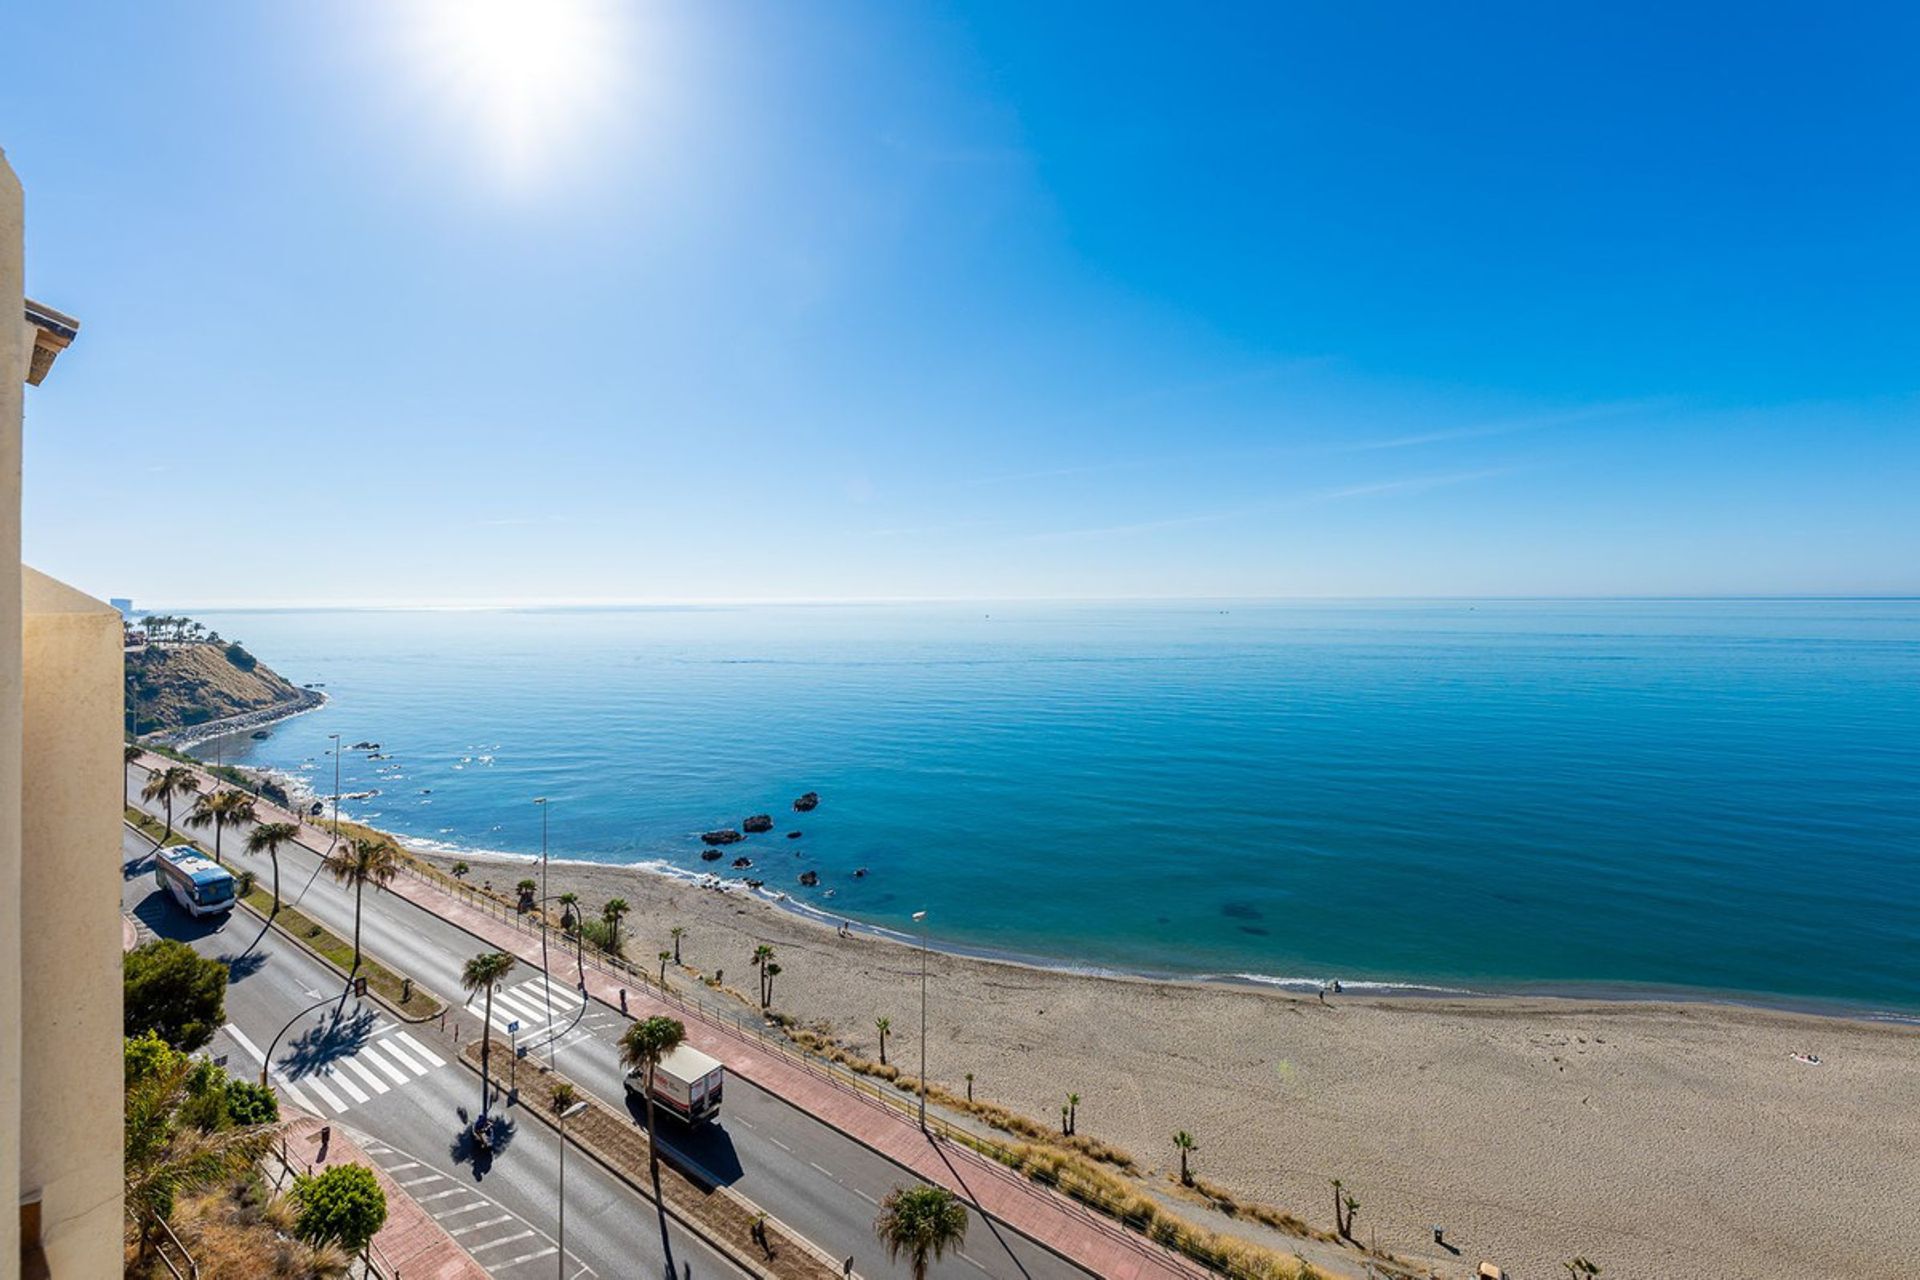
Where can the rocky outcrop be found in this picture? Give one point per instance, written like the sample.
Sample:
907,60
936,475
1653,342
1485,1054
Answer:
709,855
807,803
726,835
741,864
793,835
809,878
757,823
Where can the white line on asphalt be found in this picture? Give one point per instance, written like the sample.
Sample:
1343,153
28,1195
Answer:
439,1195
475,1226
822,1168
323,1093
425,1055
379,1060
299,1099
404,1164
864,1196
346,1084
495,1244
422,1180
525,1257
776,1142
465,1208
240,1039
360,1069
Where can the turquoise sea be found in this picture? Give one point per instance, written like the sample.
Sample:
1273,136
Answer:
1684,797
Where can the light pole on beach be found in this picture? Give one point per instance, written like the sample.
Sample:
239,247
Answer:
920,918
546,973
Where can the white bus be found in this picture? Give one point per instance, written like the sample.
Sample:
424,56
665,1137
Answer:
687,1083
201,886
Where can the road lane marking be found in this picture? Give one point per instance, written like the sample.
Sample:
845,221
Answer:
422,1180
399,1076
346,1084
239,1038
404,1164
495,1244
525,1257
476,1226
776,1142
864,1196
822,1168
466,1208
359,1068
426,1056
439,1195
295,1096
323,1093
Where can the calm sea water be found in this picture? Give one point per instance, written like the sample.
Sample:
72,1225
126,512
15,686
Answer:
1720,797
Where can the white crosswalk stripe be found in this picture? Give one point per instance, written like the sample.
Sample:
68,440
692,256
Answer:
482,1225
348,1080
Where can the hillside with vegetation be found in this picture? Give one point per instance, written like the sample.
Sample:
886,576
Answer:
172,687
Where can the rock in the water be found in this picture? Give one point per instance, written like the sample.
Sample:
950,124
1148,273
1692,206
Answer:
259,735
755,884
809,878
859,873
709,855
807,803
793,835
741,864
726,835
757,823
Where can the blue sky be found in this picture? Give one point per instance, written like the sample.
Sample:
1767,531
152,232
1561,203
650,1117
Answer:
397,302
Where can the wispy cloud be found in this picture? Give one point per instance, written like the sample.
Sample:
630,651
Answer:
1408,484
1507,427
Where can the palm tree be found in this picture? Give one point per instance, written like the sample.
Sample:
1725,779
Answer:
664,957
1184,1143
969,1086
218,808
570,922
482,974
678,933
884,1025
642,1048
1073,1113
1577,1267
1338,1221
762,954
133,754
358,862
768,974
460,870
611,913
165,785
267,838
922,1223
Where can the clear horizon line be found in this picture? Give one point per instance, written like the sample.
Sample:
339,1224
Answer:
669,602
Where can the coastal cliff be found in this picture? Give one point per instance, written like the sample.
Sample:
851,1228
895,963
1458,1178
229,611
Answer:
177,690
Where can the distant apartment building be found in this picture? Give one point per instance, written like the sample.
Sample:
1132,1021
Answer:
60,782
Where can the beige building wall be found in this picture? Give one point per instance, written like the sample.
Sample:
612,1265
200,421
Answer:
16,346
70,1069
60,692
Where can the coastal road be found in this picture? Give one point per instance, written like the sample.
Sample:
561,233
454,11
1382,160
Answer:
802,1171
352,1065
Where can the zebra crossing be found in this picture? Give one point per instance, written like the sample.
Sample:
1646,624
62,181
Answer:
388,1059
497,1238
526,1004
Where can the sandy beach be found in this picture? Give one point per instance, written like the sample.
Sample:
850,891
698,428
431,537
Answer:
1658,1139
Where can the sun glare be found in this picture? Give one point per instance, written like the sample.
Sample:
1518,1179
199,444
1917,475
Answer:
530,75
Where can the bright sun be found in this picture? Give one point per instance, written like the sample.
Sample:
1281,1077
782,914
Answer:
530,74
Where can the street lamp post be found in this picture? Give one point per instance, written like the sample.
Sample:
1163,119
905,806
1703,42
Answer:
274,1043
920,918
573,1110
546,972
336,787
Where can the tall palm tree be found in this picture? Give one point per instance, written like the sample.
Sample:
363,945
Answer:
359,862
767,975
1184,1143
267,838
677,933
642,1048
176,781
482,974
611,913
922,1223
570,922
664,957
762,956
1073,1113
218,808
884,1025
133,754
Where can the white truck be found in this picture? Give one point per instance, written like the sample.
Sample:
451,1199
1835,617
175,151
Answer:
687,1083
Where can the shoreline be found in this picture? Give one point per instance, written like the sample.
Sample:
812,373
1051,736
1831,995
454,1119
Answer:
188,737
444,854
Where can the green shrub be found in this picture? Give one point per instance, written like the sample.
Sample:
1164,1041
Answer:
249,1103
344,1205
174,992
240,657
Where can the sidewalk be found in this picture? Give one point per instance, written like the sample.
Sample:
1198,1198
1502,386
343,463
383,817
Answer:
410,1244
1067,1228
